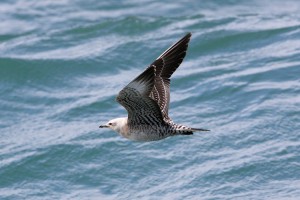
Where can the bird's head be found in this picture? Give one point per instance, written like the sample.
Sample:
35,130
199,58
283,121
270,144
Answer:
115,124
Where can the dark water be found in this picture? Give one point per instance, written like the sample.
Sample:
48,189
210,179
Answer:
63,62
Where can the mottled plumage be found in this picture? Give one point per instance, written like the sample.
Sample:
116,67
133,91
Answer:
147,98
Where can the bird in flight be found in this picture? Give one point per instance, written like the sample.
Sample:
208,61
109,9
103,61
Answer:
147,98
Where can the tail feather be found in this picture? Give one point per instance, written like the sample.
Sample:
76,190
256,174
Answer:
187,133
185,130
190,131
199,129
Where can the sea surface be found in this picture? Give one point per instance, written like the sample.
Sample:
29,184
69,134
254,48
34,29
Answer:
62,63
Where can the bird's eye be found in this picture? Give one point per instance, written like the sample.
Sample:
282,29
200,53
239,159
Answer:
110,124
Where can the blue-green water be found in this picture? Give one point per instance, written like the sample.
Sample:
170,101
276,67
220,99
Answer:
63,62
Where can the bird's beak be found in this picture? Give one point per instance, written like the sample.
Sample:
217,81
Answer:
103,126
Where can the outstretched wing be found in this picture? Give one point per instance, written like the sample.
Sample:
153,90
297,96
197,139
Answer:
142,110
166,64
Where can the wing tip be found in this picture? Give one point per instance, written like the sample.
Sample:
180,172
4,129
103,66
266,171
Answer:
188,35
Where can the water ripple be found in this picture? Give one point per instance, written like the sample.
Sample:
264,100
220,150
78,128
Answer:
62,63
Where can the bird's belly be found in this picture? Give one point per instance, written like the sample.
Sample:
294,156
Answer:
150,134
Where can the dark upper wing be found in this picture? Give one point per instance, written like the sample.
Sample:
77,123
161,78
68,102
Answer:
142,110
166,64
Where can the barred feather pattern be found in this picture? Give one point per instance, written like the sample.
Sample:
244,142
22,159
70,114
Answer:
147,98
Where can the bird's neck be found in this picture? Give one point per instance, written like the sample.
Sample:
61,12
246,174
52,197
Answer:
123,128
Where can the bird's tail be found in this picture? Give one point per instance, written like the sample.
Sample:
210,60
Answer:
192,130
199,129
184,130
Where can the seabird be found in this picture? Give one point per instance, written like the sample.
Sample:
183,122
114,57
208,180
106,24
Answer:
147,98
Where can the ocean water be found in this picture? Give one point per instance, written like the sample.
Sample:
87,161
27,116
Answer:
63,62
